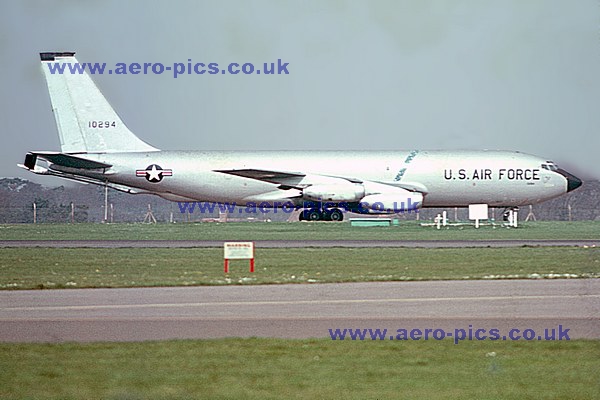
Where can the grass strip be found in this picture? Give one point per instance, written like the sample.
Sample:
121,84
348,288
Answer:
297,369
43,268
407,230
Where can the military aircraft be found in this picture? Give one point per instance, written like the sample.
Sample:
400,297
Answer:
97,147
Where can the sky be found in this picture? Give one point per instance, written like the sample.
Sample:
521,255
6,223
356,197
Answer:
509,74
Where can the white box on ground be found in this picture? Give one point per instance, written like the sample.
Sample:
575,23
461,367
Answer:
478,211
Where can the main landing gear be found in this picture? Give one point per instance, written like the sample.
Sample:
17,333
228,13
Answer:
313,214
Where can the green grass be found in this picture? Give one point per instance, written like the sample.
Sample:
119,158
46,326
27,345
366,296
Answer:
408,230
30,268
27,268
301,369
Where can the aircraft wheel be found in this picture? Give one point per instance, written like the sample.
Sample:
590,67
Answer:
314,215
336,215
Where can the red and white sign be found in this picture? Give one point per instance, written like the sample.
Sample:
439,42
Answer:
238,251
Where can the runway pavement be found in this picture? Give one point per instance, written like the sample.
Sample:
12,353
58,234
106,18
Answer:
300,243
299,311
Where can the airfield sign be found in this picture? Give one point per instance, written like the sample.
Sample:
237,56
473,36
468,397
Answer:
477,212
238,251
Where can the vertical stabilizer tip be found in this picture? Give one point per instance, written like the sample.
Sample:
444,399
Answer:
50,56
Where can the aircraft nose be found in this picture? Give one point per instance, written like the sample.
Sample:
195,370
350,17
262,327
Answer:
573,182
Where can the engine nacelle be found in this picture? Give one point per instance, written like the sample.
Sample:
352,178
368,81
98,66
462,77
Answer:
397,202
336,192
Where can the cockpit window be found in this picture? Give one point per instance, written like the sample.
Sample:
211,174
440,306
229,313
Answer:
550,166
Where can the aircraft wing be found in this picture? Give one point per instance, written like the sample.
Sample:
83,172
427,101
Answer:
300,180
410,186
278,177
296,180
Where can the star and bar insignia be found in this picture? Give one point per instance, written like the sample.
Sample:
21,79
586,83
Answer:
153,173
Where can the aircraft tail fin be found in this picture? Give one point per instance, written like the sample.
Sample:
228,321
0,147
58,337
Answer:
85,120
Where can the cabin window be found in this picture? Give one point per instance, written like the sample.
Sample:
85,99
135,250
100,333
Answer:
550,166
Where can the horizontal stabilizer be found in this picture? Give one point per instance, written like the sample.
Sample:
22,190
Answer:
65,160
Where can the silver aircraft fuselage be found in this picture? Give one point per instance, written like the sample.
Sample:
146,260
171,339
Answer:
447,178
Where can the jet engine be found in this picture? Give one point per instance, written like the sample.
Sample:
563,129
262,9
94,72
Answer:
398,201
337,192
